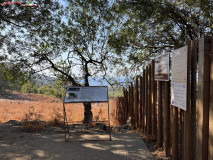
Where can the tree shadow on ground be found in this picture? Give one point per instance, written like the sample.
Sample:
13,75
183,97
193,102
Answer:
49,144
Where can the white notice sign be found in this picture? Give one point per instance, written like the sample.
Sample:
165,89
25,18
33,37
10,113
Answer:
179,78
178,95
86,94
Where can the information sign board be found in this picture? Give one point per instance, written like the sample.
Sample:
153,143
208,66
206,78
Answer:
162,68
179,78
86,94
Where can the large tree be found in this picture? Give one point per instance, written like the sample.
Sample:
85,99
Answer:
147,28
74,44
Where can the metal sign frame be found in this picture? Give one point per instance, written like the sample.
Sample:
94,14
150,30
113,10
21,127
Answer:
66,123
78,91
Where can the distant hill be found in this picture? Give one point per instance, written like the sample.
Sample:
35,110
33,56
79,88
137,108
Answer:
42,80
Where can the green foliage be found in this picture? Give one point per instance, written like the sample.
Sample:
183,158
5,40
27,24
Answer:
51,91
116,92
11,77
148,28
29,87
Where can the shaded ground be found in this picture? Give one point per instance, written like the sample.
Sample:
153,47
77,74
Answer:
17,144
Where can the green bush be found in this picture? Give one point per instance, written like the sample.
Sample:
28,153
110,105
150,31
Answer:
29,87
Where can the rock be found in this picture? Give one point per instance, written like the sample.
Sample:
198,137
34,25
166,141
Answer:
100,126
13,122
116,129
125,126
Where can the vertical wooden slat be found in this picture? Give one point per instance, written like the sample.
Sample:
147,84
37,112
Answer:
129,102
149,129
203,98
175,148
154,123
146,98
132,105
175,130
143,102
136,103
140,103
193,96
167,118
187,114
211,106
181,138
160,116
127,107
124,106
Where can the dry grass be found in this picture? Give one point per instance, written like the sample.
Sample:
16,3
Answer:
55,122
30,107
32,121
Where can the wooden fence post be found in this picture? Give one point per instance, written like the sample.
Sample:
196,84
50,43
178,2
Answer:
203,98
167,118
140,103
154,123
149,101
160,116
136,103
211,106
124,106
129,102
146,99
143,102
175,130
132,105
187,114
193,80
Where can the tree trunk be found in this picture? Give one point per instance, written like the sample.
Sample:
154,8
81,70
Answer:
87,106
87,112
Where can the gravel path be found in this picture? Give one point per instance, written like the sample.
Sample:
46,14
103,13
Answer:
16,144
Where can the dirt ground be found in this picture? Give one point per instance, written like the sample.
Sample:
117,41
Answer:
17,106
49,144
16,143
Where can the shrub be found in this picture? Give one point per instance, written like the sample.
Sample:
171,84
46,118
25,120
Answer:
32,121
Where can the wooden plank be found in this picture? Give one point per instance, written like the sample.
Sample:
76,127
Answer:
124,106
187,114
175,130
175,149
149,129
160,117
129,103
193,96
181,137
136,103
132,104
167,118
140,103
127,107
146,99
211,106
154,123
143,102
203,98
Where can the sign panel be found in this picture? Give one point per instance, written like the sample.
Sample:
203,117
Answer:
179,65
162,68
86,94
179,78
178,95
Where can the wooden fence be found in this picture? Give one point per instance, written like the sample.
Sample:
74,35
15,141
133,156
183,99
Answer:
182,134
